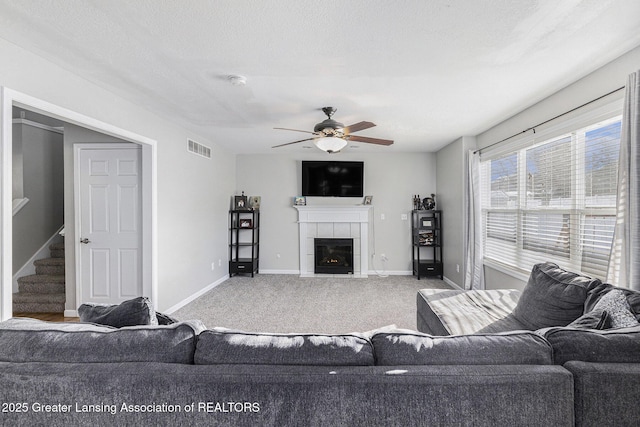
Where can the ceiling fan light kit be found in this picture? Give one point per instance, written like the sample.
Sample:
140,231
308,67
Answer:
332,136
330,144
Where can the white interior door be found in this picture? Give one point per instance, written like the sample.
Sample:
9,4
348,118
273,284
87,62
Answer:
110,224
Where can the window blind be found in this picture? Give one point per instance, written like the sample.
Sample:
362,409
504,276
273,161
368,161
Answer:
554,201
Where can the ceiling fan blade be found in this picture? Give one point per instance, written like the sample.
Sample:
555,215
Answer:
294,142
295,130
370,140
358,127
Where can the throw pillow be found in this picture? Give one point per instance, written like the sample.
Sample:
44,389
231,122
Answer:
137,311
597,319
552,297
165,319
615,303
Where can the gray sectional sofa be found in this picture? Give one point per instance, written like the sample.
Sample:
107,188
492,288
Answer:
182,374
65,374
593,329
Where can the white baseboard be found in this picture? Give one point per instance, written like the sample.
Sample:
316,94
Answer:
391,273
71,313
261,271
196,295
451,283
369,273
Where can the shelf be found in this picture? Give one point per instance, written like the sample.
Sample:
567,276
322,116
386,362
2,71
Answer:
243,260
426,227
244,242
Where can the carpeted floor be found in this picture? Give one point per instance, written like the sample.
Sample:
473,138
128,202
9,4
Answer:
288,303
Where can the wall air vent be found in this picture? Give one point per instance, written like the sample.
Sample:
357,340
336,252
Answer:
198,149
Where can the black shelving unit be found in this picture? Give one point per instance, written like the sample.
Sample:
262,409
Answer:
426,247
244,241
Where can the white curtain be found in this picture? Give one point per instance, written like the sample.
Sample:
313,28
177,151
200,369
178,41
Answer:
624,262
474,277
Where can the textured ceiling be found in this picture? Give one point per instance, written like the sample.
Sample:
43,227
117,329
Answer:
426,72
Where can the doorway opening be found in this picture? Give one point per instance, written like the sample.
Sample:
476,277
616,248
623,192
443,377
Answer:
9,99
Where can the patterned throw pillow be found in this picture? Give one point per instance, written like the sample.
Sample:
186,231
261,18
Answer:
615,303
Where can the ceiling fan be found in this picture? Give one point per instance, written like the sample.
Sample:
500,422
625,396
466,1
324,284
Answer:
332,136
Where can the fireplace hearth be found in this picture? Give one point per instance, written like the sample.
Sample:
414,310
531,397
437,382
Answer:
333,256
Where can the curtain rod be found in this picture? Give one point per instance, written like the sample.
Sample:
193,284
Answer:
533,128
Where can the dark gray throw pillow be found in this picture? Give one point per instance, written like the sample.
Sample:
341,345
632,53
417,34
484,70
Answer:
552,297
165,319
597,319
137,311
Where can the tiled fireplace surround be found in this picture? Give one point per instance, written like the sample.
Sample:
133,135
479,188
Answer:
334,221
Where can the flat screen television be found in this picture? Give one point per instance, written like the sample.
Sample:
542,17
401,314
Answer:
332,179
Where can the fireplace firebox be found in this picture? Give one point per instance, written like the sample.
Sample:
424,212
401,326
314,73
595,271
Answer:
333,256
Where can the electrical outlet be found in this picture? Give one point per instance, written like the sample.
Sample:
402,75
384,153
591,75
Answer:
457,268
219,263
382,217
404,217
213,266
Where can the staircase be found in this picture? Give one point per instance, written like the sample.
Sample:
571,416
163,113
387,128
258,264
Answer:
43,292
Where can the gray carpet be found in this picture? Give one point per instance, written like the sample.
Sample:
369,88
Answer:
288,303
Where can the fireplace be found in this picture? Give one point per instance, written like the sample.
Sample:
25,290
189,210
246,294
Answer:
334,221
333,256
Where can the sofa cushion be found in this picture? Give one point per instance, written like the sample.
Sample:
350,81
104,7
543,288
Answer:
507,348
223,346
460,312
615,303
552,297
588,345
596,319
30,340
137,311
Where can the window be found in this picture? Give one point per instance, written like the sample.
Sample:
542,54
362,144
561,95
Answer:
554,201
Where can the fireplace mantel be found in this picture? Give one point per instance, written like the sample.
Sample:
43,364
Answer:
334,221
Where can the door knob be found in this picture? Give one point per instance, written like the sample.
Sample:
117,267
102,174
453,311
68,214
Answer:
84,240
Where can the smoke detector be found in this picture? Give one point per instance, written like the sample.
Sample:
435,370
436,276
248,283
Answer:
237,80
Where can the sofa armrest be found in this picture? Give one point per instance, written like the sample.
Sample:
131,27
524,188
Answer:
605,393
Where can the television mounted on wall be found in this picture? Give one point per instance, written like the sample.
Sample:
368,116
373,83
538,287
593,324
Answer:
332,179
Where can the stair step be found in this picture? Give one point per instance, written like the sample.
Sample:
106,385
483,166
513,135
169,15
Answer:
57,250
26,302
50,266
38,307
21,297
41,284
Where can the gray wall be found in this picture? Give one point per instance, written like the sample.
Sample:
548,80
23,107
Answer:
43,181
452,183
391,178
192,192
